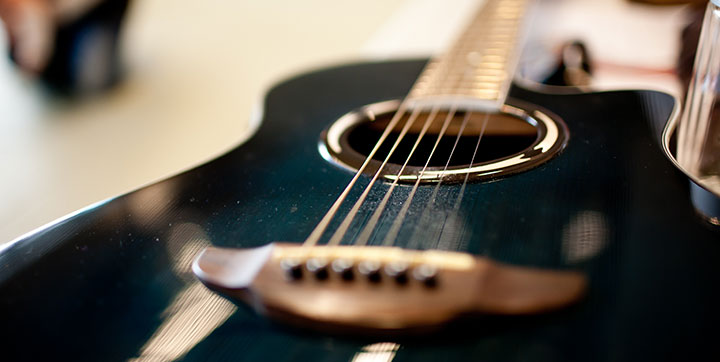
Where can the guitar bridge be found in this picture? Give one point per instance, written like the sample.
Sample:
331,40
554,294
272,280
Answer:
376,289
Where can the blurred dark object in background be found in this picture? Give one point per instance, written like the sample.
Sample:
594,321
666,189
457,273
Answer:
84,57
574,68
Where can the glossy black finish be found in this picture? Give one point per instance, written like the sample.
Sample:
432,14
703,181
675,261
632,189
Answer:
99,285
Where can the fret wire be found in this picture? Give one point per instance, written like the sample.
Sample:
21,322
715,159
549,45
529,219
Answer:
495,36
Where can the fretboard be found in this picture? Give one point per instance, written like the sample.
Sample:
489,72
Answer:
476,72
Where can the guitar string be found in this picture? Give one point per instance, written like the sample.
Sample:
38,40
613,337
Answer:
367,231
345,224
424,216
456,208
318,231
370,225
392,234
447,83
397,222
426,210
454,82
320,228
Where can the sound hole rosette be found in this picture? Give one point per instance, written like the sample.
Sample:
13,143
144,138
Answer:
549,138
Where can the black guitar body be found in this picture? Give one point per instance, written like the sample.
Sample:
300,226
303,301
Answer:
112,282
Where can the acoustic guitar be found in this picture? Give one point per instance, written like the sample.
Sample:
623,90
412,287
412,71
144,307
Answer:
403,210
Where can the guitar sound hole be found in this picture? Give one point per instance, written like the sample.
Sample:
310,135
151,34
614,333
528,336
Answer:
513,140
499,136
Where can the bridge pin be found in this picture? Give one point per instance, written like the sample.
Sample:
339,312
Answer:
344,268
319,267
398,271
370,269
427,274
292,268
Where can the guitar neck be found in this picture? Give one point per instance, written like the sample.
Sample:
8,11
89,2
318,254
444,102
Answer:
476,72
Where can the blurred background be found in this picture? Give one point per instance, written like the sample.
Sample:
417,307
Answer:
193,73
